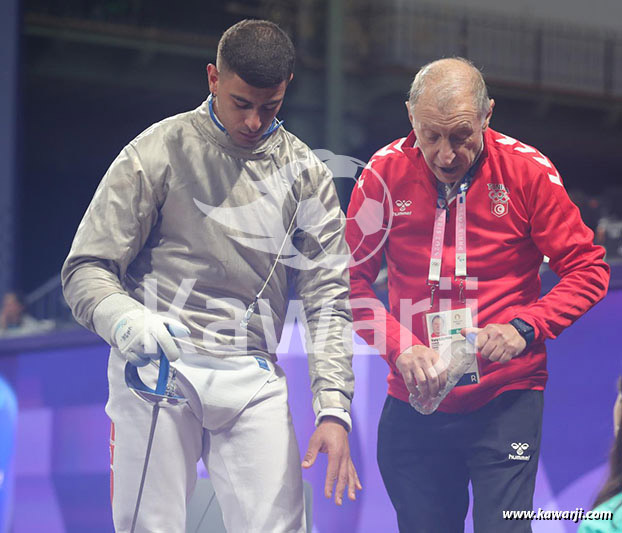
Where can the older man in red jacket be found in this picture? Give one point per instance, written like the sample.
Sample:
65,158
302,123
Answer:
482,211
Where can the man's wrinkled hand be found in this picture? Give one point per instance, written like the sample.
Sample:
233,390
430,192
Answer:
419,366
498,342
331,437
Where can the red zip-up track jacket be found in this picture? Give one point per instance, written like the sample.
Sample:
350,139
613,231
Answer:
517,211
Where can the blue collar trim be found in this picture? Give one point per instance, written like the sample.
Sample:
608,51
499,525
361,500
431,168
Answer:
210,103
276,124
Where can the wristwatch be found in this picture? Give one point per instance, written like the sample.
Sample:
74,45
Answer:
525,330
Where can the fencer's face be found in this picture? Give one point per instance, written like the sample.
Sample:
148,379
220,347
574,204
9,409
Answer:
450,138
245,111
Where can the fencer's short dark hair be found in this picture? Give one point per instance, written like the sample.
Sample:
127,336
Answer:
258,51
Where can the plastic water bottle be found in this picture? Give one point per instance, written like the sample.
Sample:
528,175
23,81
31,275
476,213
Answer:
456,360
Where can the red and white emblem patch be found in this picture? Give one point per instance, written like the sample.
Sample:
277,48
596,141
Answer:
499,197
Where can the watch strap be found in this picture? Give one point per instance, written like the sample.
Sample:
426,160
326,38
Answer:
524,329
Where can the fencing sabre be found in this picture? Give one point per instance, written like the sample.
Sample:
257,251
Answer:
162,396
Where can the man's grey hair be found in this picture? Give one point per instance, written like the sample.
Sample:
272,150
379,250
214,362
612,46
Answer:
447,85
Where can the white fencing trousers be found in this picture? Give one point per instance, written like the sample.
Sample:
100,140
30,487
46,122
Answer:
252,455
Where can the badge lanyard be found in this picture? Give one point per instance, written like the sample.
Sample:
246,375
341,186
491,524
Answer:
438,236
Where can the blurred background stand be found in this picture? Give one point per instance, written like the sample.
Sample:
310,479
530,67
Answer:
9,110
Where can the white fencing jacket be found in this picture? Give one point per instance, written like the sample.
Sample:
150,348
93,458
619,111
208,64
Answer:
191,223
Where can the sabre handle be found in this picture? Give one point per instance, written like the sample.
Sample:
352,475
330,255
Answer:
132,377
162,374
470,337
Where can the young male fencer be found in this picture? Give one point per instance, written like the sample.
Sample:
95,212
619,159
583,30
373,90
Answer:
163,260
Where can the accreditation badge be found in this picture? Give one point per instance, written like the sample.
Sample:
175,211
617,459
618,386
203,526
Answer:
443,328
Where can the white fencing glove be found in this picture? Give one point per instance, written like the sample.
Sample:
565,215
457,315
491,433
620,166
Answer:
135,331
139,334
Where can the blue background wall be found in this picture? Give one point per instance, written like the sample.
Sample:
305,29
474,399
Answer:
62,461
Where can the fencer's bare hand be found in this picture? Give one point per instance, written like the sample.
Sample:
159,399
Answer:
498,342
422,378
331,437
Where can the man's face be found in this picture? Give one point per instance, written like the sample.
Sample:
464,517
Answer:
437,324
245,111
450,140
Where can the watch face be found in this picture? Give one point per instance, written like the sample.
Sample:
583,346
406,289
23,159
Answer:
526,331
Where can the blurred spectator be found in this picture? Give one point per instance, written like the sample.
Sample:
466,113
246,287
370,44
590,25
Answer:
14,321
609,231
610,496
590,207
592,213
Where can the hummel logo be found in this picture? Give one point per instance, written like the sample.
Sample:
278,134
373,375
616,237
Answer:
402,205
520,448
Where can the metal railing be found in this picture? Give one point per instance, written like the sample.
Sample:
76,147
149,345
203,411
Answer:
190,16
518,51
47,302
529,52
